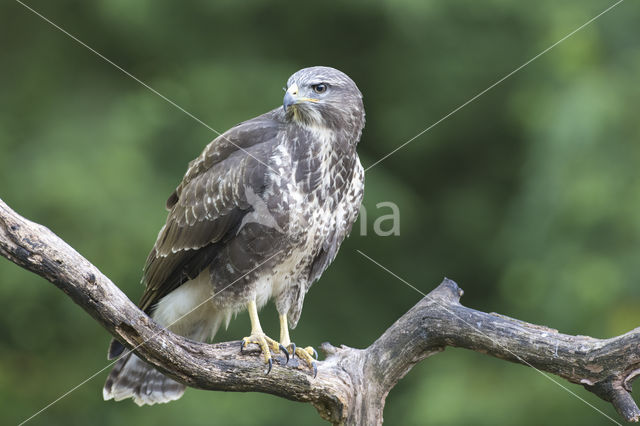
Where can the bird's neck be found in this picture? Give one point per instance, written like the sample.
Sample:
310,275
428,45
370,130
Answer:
321,154
314,140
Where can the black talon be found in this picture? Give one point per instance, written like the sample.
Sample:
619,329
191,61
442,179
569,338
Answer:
286,353
270,365
315,369
242,344
315,353
293,350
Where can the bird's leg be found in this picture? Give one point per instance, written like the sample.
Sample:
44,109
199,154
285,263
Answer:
285,340
258,337
308,354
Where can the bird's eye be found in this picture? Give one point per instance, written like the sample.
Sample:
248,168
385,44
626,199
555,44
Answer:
319,88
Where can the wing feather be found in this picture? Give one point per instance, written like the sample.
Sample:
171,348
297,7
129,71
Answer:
207,207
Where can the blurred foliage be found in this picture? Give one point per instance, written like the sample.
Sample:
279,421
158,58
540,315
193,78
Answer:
528,197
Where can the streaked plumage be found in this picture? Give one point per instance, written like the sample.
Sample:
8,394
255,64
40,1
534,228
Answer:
260,214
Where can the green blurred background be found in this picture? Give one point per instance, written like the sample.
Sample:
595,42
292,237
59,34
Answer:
529,197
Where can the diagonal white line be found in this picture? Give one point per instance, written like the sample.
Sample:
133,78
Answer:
493,85
142,83
131,350
495,342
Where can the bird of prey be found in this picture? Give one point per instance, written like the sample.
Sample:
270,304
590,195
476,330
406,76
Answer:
259,215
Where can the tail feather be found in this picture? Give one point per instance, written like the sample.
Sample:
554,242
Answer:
115,349
182,312
133,378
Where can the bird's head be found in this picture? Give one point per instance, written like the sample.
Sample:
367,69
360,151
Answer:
324,97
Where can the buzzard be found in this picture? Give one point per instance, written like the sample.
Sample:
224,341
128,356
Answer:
259,215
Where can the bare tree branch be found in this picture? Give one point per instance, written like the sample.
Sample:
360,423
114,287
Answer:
352,384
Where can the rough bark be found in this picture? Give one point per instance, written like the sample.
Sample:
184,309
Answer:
352,384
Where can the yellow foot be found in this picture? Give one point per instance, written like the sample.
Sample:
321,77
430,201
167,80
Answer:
308,354
266,344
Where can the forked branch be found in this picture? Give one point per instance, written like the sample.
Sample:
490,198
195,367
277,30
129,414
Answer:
352,384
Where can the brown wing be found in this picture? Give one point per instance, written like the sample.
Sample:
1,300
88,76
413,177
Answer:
207,207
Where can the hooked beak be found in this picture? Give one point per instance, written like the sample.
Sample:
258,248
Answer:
292,97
